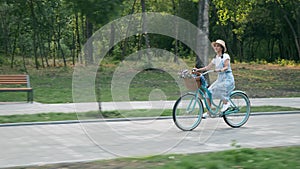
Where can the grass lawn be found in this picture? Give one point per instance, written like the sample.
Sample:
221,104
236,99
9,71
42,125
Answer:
54,85
111,114
237,158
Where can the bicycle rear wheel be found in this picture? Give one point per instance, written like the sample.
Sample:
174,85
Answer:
239,112
187,112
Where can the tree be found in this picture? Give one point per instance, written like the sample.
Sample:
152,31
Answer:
233,15
44,30
203,25
94,13
291,14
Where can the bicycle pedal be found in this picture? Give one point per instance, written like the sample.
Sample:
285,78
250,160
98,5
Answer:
223,113
213,116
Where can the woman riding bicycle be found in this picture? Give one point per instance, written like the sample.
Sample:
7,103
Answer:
224,84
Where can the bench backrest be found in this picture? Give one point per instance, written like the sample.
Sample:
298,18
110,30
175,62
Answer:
15,79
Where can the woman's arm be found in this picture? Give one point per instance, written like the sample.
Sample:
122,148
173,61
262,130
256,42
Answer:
209,66
226,64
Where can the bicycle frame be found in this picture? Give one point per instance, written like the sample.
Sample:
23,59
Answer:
202,94
188,109
236,109
205,98
208,93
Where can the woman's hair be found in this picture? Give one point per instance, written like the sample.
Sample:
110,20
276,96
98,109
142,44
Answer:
222,51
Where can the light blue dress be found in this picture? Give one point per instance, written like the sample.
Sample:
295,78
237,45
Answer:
224,84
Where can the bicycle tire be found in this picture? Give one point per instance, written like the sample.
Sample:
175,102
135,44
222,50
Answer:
187,112
242,108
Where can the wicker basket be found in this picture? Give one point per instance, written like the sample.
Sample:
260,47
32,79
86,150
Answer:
192,83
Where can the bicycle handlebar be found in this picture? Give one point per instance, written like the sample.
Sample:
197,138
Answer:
209,71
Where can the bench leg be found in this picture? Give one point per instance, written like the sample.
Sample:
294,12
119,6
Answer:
30,96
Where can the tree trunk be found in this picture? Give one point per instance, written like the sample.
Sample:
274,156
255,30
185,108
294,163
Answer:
54,53
176,34
78,44
73,48
5,31
144,26
202,37
112,37
83,27
241,50
124,48
144,29
49,50
41,51
234,46
14,46
23,53
34,25
89,47
59,45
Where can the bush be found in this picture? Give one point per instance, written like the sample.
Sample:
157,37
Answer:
3,60
284,62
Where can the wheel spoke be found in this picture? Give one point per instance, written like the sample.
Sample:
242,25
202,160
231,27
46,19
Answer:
239,112
187,112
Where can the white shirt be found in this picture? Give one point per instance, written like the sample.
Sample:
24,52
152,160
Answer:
217,60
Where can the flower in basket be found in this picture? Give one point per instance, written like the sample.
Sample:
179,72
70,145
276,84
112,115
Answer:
185,74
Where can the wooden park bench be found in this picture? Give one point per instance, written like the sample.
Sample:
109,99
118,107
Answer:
16,83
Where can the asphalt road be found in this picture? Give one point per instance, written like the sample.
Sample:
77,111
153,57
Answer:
45,144
10,108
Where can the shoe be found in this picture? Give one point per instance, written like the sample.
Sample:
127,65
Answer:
225,107
205,115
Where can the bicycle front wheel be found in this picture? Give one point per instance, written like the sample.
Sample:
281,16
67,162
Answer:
239,112
187,112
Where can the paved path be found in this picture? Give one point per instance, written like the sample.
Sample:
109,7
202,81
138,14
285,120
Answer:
8,108
44,144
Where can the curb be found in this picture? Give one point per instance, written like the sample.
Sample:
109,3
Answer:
83,121
275,113
125,119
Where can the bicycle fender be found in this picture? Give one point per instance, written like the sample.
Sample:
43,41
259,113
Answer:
191,92
238,91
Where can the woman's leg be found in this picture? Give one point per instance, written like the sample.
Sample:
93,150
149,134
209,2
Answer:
226,105
208,101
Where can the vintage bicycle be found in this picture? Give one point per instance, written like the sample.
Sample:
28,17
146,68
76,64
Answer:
188,109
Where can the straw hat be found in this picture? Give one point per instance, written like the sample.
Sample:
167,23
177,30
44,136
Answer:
221,42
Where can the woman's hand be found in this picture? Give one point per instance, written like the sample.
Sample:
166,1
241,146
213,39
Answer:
194,69
218,70
199,70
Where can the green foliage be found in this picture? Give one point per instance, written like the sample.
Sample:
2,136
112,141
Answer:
257,29
264,158
51,33
98,12
235,13
3,60
284,62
